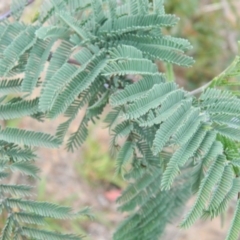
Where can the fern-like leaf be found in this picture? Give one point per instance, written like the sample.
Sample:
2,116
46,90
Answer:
10,86
38,57
207,184
135,91
16,190
25,168
41,234
128,24
18,136
234,230
152,100
125,154
18,109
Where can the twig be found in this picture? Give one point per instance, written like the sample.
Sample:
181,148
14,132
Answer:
218,78
9,13
201,89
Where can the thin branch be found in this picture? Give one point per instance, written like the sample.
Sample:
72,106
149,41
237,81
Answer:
201,89
9,13
218,78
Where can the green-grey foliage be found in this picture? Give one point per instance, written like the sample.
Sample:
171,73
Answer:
25,215
97,53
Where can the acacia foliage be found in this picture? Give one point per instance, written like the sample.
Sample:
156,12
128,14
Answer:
174,144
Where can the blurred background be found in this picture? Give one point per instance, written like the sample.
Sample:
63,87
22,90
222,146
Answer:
86,177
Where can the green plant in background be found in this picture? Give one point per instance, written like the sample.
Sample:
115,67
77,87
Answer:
169,144
205,22
97,166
